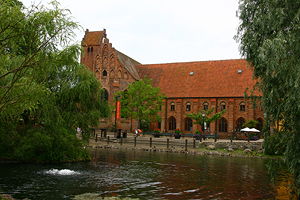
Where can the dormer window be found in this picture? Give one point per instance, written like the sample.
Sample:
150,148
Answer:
205,106
188,106
172,106
223,106
242,106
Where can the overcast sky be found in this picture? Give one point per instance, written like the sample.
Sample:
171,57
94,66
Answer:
161,31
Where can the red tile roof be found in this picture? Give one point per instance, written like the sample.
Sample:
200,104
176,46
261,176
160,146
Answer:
92,38
210,78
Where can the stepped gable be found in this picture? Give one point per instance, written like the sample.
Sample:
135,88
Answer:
129,64
200,79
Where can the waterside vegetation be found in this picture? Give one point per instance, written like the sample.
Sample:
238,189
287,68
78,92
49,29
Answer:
45,93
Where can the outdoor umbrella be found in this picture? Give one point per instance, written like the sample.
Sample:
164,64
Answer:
246,129
254,130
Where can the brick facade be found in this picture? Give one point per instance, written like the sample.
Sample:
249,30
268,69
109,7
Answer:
222,85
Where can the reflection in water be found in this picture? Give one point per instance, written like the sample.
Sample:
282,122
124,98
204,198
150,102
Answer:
144,175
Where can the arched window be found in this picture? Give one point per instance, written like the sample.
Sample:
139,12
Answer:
92,49
260,124
188,124
188,106
205,106
105,62
88,49
104,95
172,123
240,123
242,106
223,125
223,106
104,73
97,74
105,50
172,106
159,125
112,74
119,74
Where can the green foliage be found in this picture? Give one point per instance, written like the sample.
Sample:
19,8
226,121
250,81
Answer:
275,144
43,85
142,102
269,39
199,119
250,123
144,125
40,144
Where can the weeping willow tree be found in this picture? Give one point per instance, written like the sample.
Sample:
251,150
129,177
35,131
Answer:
269,37
44,91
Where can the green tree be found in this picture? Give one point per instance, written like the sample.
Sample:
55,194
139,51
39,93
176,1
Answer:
44,91
250,123
269,37
28,40
199,119
141,101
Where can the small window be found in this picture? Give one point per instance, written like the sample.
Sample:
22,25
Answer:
88,49
188,106
223,106
92,49
104,73
242,106
173,106
205,106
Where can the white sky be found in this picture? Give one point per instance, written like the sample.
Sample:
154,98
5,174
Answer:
161,31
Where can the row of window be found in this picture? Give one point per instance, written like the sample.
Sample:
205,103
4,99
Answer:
222,124
112,74
90,49
205,106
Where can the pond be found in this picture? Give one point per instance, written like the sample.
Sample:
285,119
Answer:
144,175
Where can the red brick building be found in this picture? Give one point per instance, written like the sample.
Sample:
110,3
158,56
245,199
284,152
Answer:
189,86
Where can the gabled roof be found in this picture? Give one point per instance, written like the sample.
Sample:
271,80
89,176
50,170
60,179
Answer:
92,38
209,79
129,64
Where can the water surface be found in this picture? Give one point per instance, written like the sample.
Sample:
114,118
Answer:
144,175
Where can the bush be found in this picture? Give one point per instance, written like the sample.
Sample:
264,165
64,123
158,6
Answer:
41,144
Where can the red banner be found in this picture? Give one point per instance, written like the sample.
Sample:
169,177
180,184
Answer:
118,110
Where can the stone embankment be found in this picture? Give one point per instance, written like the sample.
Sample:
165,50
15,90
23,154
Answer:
207,147
240,145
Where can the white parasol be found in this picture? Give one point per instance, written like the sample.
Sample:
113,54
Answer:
254,130
246,129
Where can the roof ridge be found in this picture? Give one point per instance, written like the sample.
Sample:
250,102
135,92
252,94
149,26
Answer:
194,61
